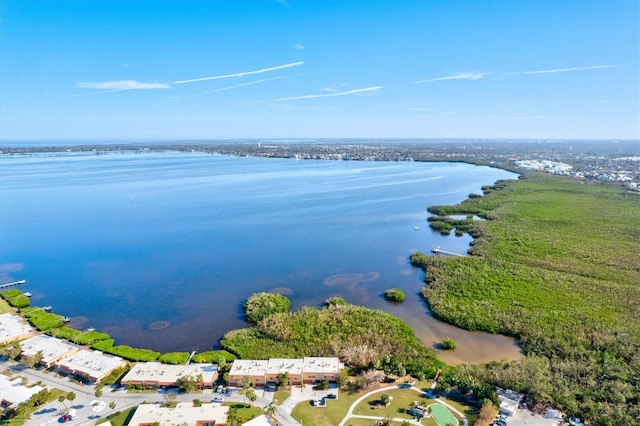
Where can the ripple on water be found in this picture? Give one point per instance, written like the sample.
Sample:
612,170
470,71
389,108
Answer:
159,325
285,291
350,279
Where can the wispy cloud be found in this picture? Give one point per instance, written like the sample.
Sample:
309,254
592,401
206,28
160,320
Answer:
556,70
239,74
459,76
481,75
367,90
298,46
333,88
120,85
235,86
412,108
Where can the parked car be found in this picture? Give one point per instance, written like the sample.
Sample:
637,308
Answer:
218,400
65,418
331,396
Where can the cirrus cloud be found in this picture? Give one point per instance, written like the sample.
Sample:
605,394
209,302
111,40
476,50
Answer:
119,85
459,76
367,90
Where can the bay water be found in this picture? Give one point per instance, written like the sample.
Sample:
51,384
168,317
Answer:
160,249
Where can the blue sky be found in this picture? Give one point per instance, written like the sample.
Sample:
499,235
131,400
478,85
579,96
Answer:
311,69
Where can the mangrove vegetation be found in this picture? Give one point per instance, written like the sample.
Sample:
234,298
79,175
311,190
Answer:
556,265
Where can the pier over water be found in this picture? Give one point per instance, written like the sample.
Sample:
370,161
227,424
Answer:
21,282
438,250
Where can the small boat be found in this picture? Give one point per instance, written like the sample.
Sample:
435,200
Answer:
66,319
417,228
90,329
27,294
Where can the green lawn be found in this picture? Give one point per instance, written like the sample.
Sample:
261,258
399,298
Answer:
280,396
332,414
335,410
401,399
119,419
243,412
5,307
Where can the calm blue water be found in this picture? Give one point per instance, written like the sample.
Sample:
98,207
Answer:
160,250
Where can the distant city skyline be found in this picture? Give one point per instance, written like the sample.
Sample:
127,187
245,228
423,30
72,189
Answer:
168,70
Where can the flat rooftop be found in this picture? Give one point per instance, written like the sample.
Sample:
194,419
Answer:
284,365
183,414
322,364
51,348
12,327
91,363
166,373
14,392
249,367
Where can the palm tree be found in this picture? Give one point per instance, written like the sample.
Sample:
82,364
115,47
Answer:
385,398
71,396
271,410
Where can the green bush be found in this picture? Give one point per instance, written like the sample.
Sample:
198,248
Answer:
42,320
133,354
64,333
15,298
448,344
103,345
394,295
213,357
261,305
335,331
90,337
174,358
335,300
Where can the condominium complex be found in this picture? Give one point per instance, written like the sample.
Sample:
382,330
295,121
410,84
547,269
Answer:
304,370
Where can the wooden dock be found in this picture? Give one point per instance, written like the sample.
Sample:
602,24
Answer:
21,282
438,250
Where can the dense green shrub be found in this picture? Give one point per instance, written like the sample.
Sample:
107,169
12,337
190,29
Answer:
261,305
213,357
89,337
360,336
174,358
64,333
335,300
15,298
42,320
103,345
132,354
394,295
448,344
